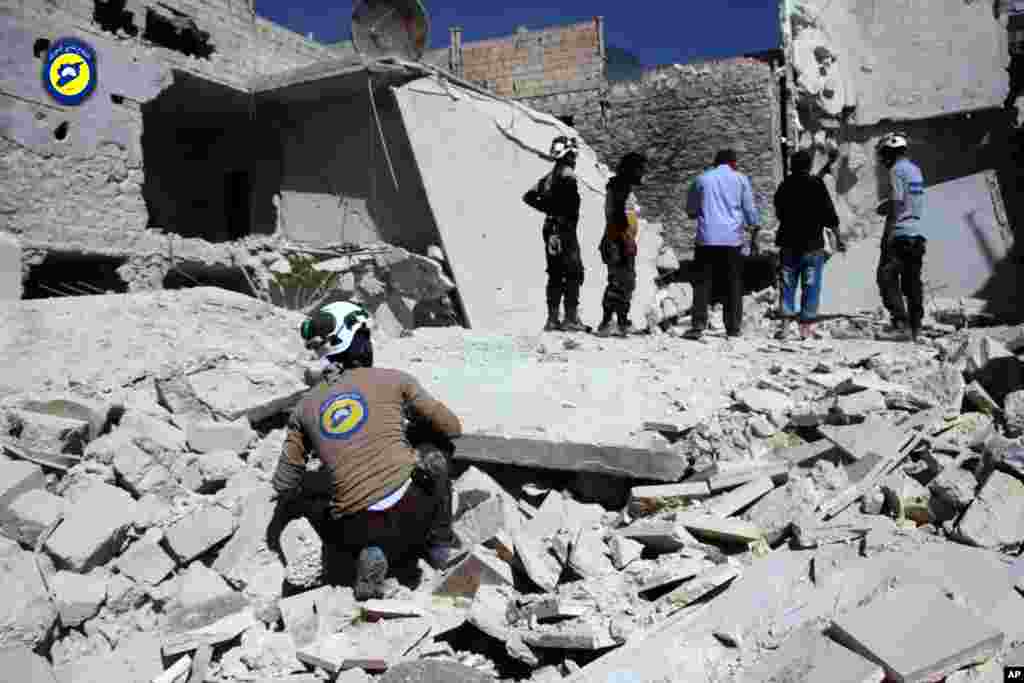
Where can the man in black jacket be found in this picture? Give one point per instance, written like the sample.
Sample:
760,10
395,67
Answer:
804,210
557,195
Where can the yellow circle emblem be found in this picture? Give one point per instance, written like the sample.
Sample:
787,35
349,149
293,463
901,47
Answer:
70,75
343,415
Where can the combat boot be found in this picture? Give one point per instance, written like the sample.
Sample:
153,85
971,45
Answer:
573,323
553,324
371,571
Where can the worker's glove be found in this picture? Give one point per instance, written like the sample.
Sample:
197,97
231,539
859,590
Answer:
554,245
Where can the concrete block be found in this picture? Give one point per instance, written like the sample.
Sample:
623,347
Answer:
474,487
209,436
431,670
26,613
49,433
145,427
647,500
253,390
16,477
220,631
862,404
730,503
871,438
201,530
558,608
485,521
764,401
31,514
139,471
300,617
588,555
571,636
303,553
540,565
480,567
10,269
145,562
93,528
624,551
723,481
105,448
996,517
19,663
815,657
78,596
891,631
96,413
671,572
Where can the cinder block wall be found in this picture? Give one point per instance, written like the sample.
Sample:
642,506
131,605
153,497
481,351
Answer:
680,116
542,62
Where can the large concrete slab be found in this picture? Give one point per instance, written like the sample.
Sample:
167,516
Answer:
968,239
893,631
10,268
573,457
481,216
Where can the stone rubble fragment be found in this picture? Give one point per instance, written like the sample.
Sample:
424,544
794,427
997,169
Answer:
303,552
93,528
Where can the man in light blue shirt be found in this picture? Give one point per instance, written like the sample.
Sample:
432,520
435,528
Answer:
722,202
903,243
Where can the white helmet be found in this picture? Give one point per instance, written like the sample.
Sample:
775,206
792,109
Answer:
332,329
564,147
893,141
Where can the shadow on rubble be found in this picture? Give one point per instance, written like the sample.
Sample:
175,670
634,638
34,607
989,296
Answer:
758,274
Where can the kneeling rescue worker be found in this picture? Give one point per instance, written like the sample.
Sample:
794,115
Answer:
391,501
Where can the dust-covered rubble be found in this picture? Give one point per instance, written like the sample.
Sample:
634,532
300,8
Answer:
825,482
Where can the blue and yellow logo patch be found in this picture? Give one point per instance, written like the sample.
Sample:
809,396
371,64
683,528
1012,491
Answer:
342,416
69,71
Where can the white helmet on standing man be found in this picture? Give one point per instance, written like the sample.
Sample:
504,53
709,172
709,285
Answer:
331,330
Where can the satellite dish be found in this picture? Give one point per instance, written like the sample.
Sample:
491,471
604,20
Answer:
390,28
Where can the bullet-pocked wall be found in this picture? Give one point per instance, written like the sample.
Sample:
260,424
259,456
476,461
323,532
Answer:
336,174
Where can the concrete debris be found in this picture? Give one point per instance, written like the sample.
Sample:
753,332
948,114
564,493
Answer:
78,596
19,663
30,514
996,516
200,531
93,528
48,433
303,553
780,508
220,631
481,567
718,529
624,551
888,631
208,436
662,537
537,560
732,502
429,671
26,613
588,555
647,500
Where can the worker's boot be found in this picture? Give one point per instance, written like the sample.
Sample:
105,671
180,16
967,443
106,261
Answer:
371,571
553,324
441,556
572,321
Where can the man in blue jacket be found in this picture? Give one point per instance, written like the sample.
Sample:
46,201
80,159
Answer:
722,202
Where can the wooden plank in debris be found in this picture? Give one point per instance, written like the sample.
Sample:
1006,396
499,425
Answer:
618,461
57,461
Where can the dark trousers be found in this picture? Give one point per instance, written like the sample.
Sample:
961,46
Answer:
724,264
899,279
618,293
423,517
565,268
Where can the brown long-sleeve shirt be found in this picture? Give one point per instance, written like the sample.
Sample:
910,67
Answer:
354,421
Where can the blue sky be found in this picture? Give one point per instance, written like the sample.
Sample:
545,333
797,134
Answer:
656,31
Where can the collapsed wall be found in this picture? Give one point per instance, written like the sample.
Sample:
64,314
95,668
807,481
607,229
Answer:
680,116
934,70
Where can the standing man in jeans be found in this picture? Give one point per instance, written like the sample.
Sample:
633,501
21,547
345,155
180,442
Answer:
903,242
804,209
722,201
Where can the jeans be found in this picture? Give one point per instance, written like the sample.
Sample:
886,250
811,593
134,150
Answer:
805,270
726,264
899,280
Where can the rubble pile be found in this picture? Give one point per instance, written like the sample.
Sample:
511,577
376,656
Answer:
840,490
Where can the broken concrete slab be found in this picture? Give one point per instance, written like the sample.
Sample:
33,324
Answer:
220,631
719,529
93,528
16,477
254,390
811,656
624,551
481,567
872,438
996,516
703,583
764,401
489,613
775,513
778,472
146,428
659,657
475,486
571,635
807,452
19,663
139,471
433,671
663,537
647,500
209,436
26,613
730,503
539,564
587,556
671,572
888,631
48,433
300,617
861,404
572,457
145,562
483,522
135,660
78,596
201,530
303,552
30,514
